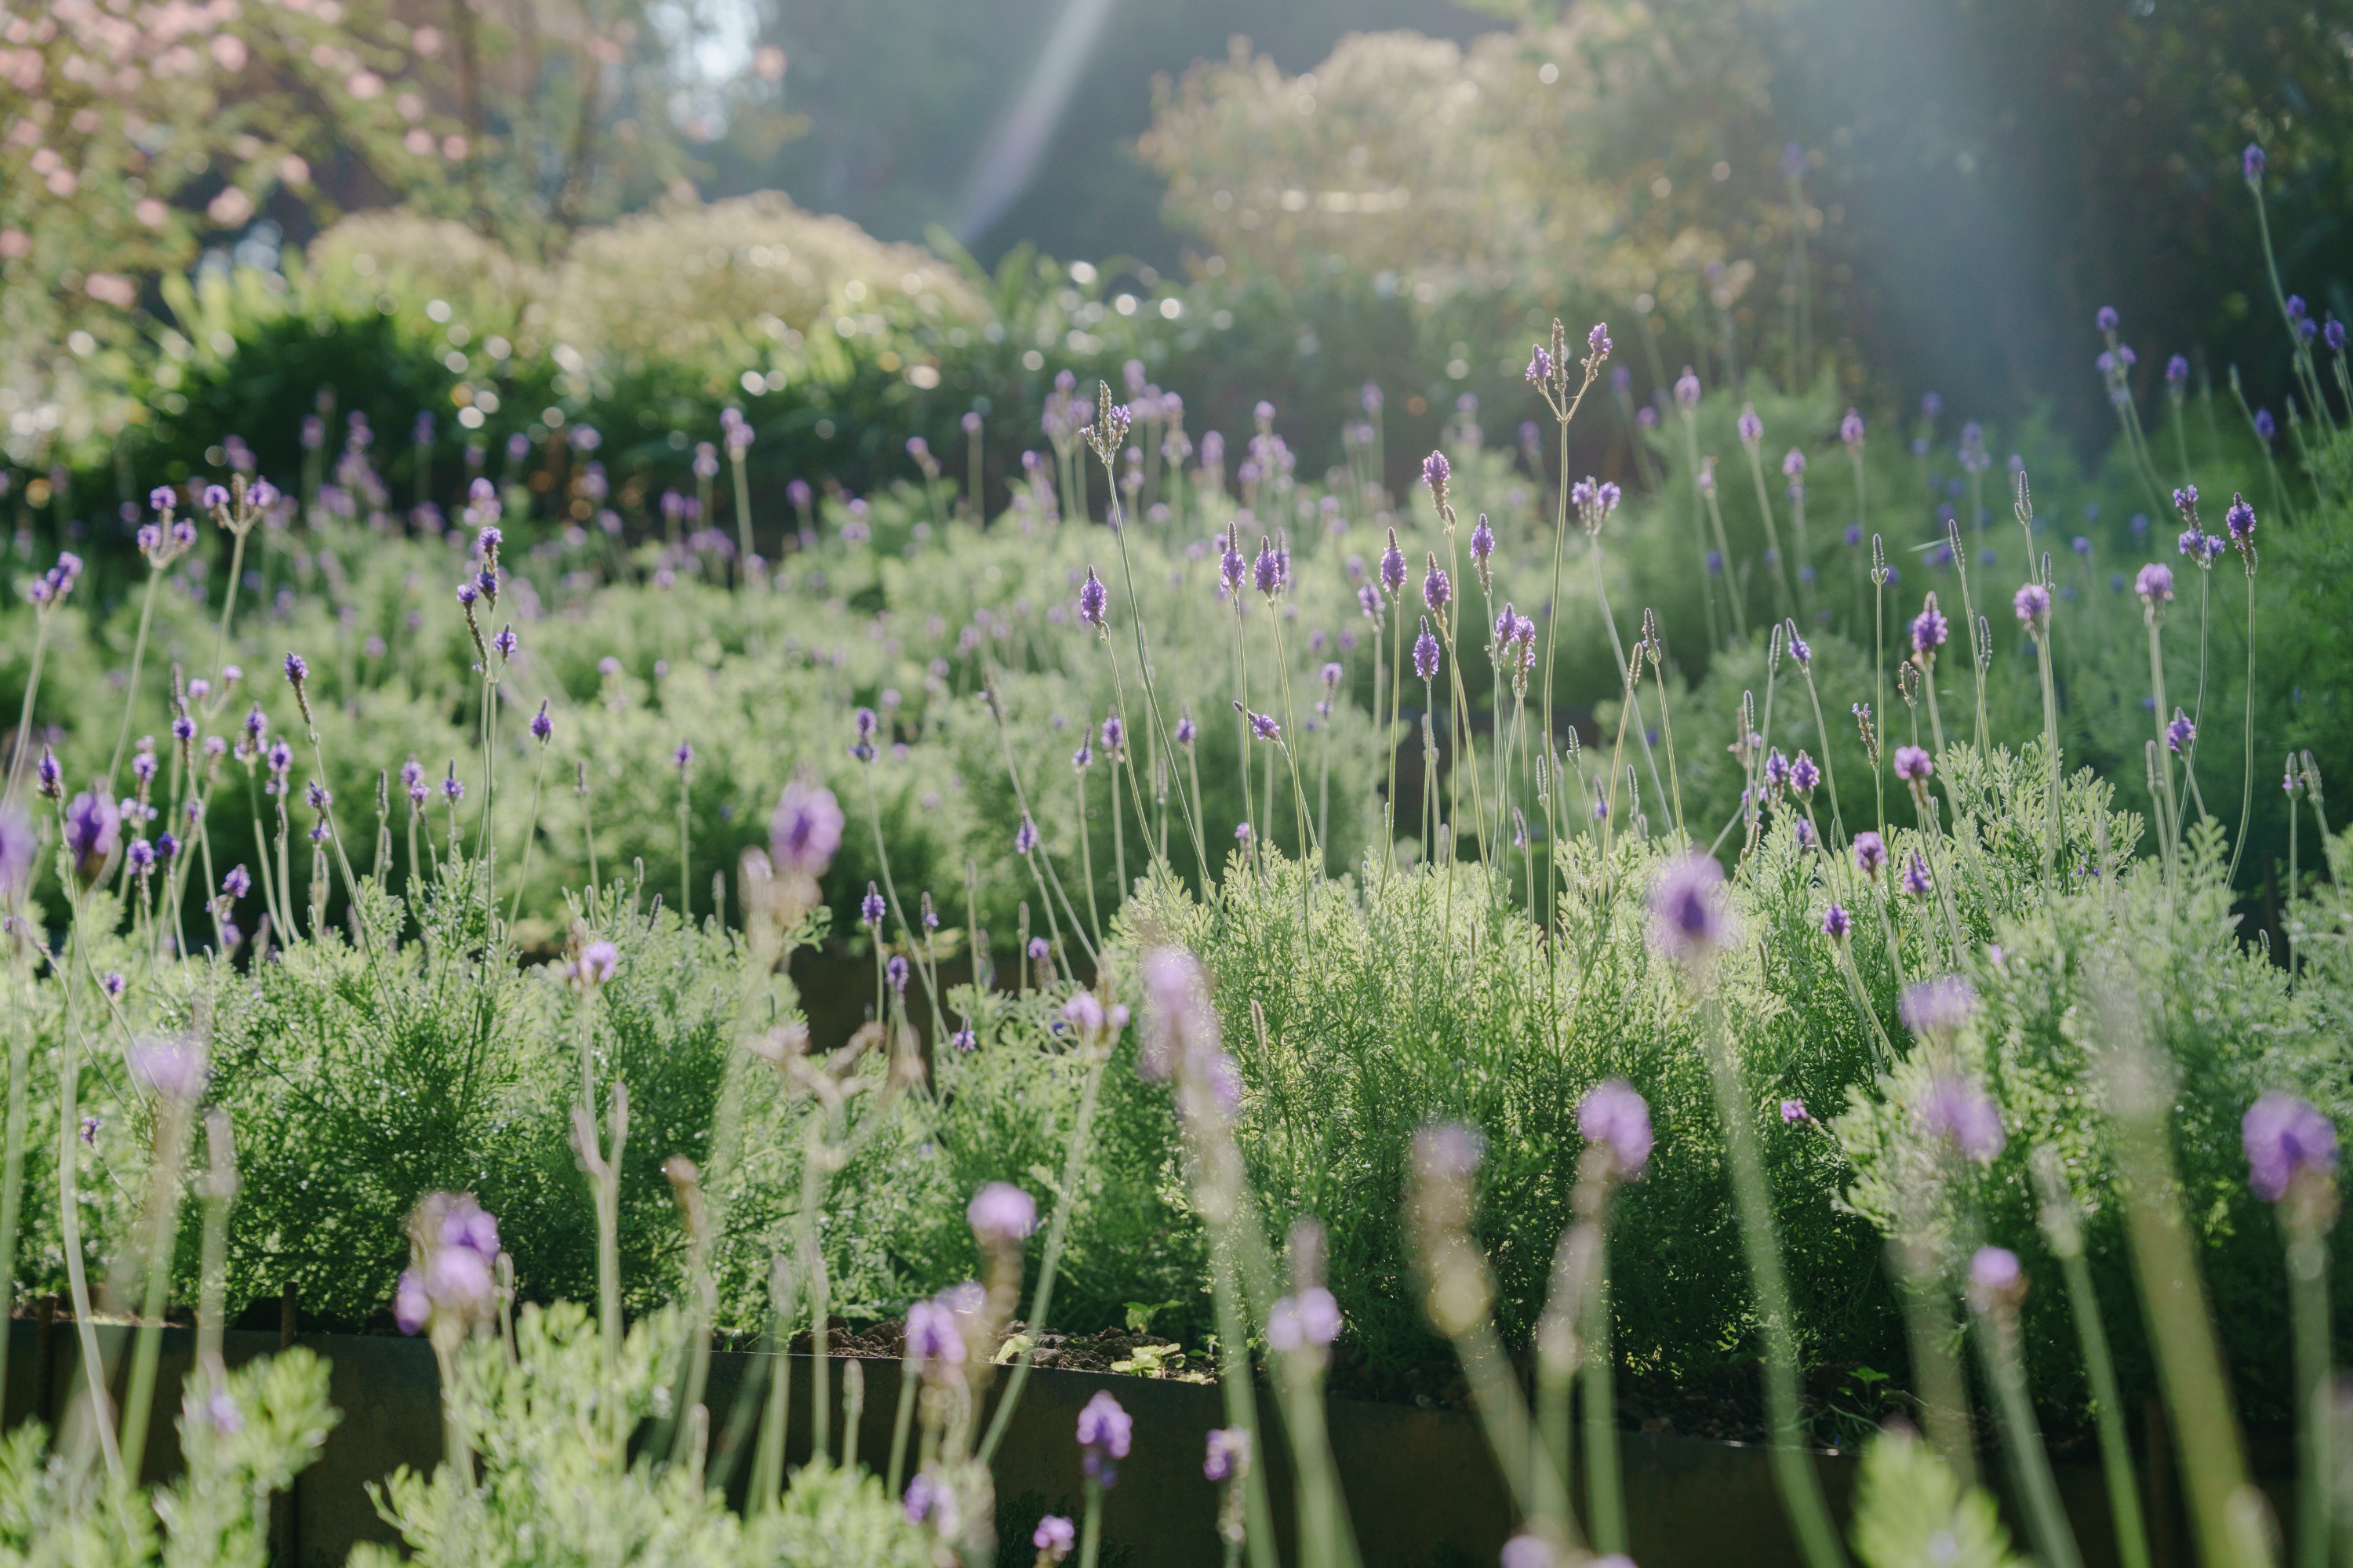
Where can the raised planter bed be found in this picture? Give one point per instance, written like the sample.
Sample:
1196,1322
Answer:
1424,1491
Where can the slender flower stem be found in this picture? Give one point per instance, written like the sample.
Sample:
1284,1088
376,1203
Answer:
69,1198
2308,1224
1041,1297
41,620
2062,1226
131,687
1793,1472
2247,780
2054,1541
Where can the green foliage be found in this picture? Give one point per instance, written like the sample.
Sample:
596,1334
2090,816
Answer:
555,1485
1911,1508
242,1446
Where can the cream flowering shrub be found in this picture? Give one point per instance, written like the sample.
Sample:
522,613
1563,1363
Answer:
1556,157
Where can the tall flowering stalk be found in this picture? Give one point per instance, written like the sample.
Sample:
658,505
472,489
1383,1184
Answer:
163,542
1996,1288
1550,372
1095,1023
1690,927
2227,1514
2061,1224
2291,1153
2240,520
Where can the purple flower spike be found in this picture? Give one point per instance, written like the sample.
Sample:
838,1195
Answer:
1957,1109
1929,630
1025,838
1915,877
1596,342
1105,1433
2285,1138
1851,429
1228,1454
871,908
2250,164
1539,365
896,971
1687,389
297,672
1055,1535
173,1069
1870,853
1309,1319
1093,597
1795,1113
2178,731
1939,1006
2155,584
1751,427
1436,590
1435,470
1688,917
1614,1116
1393,568
2241,521
2105,320
1837,923
1995,1279
1912,763
2032,604
1425,654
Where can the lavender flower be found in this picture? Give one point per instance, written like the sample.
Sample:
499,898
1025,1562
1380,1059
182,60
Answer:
598,963
1688,917
17,843
2266,426
1539,371
1025,838
93,835
1263,727
1939,1006
1615,1118
2104,319
1596,342
1105,1434
504,644
1851,429
1055,1535
2250,164
1912,763
1915,877
896,971
1957,1109
1040,949
1837,923
2031,603
1093,597
1393,568
1185,729
452,791
2241,522
1687,389
1425,654
1995,1279
964,1040
1751,427
172,1069
1309,1319
1795,1113
1482,546
871,908
1229,1455
1798,648
1870,853
2285,1138
542,726
1929,630
48,776
2155,584
2178,731
1435,589
1434,471
1804,774
1268,572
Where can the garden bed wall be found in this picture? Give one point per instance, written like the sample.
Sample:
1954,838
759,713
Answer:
1424,1491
